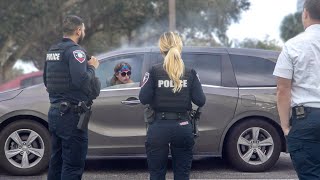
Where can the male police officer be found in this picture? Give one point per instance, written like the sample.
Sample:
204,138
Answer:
68,74
298,71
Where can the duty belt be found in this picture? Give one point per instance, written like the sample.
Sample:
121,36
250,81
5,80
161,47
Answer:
172,115
73,107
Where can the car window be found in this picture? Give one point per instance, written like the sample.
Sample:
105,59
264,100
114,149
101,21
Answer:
208,67
105,72
253,71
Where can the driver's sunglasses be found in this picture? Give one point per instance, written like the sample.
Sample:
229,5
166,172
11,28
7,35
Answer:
123,74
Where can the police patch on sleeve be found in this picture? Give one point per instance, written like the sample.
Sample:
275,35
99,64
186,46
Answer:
145,79
79,55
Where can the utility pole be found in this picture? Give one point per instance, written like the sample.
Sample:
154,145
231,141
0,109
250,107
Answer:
172,15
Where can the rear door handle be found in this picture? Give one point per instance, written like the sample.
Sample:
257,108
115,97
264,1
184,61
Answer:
131,102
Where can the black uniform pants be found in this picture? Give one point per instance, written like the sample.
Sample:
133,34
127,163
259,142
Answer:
176,135
304,145
69,146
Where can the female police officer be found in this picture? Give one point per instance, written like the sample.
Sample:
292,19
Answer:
170,88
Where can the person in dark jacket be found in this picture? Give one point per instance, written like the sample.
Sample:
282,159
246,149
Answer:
68,77
169,89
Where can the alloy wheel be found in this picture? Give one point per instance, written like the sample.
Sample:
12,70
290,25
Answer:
255,145
24,148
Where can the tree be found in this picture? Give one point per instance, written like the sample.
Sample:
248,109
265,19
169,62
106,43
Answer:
208,19
291,26
258,44
25,31
28,28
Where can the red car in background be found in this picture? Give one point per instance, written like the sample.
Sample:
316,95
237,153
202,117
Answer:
23,81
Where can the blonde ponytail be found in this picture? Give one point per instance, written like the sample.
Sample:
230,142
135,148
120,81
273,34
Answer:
171,45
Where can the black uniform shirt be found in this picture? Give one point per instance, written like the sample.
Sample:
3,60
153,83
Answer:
81,74
149,85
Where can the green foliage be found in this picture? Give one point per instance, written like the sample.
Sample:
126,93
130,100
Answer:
291,26
258,44
29,27
209,18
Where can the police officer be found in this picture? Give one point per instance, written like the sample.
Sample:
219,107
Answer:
67,76
298,84
170,88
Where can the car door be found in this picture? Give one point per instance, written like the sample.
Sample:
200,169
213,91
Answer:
256,94
117,127
221,100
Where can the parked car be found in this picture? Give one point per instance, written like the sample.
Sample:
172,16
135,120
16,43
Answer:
239,121
23,81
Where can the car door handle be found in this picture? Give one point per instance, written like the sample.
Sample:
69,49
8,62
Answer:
131,102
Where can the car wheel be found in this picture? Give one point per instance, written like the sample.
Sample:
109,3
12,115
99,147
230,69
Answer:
24,148
253,145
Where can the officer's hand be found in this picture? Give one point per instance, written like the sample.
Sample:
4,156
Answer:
94,62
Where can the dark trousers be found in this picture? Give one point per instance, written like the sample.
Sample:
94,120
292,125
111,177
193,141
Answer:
304,145
69,146
177,135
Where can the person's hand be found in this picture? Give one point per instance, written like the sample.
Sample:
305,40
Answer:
94,62
286,130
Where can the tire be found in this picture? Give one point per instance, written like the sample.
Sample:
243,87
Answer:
15,146
250,153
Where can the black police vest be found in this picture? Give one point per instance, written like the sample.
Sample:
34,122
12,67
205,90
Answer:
167,101
58,78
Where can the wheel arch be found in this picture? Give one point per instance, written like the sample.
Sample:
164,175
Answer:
23,114
240,119
33,121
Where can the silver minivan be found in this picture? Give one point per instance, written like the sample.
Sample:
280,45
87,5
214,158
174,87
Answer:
239,121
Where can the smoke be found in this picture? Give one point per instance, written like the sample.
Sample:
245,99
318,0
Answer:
191,24
146,35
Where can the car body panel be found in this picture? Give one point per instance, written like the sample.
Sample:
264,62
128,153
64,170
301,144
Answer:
117,129
121,127
31,101
213,122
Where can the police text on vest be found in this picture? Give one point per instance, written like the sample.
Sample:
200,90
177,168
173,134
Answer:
169,83
53,56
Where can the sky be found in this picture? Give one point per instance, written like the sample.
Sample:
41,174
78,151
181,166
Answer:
262,19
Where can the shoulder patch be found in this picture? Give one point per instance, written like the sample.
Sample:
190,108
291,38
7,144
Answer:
79,55
145,78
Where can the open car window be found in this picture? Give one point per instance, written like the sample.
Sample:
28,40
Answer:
106,73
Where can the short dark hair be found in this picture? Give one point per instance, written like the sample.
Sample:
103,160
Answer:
313,7
70,24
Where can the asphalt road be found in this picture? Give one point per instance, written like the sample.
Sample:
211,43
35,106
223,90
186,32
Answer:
205,168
